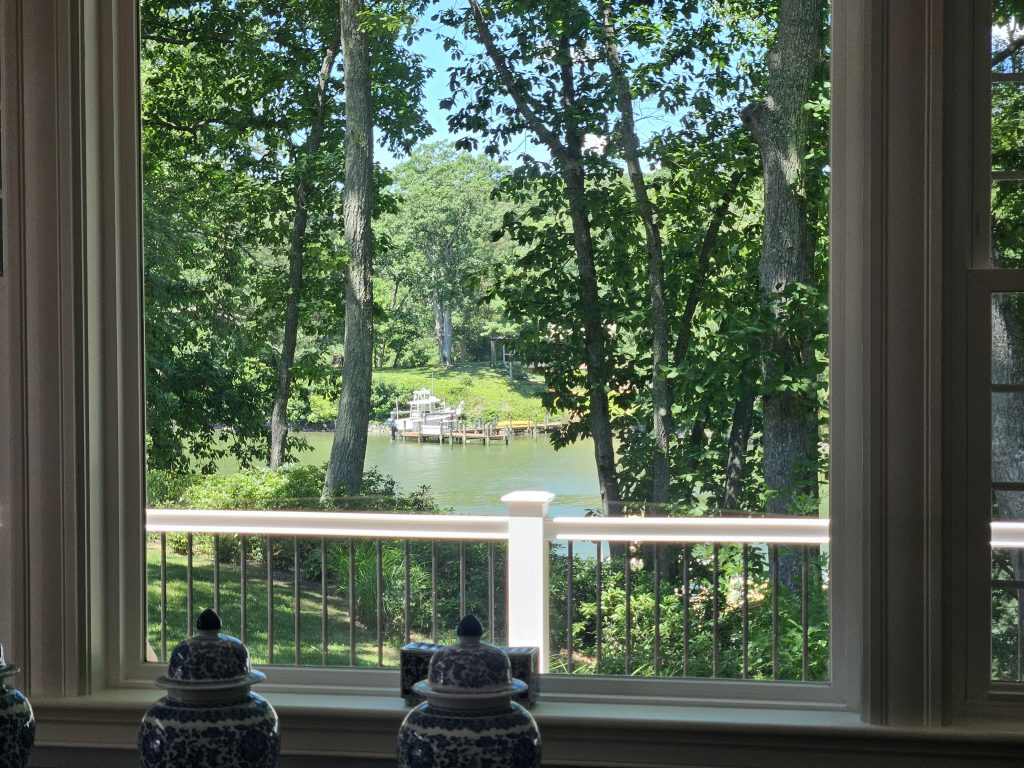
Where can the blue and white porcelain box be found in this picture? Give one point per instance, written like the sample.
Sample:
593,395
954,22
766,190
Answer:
469,718
17,724
209,715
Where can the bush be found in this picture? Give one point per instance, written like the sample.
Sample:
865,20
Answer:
382,398
290,487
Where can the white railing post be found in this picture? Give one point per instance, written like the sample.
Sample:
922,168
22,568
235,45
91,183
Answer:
528,570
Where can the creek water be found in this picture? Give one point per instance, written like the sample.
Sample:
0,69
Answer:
471,479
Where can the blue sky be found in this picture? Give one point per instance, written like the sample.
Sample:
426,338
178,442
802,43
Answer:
436,89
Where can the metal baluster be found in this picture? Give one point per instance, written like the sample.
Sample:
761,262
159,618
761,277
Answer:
433,591
163,597
407,591
628,578
569,608
598,567
1020,636
773,563
462,579
297,599
804,571
656,551
686,611
190,585
324,641
492,629
244,586
714,610
270,601
351,602
746,611
216,572
380,603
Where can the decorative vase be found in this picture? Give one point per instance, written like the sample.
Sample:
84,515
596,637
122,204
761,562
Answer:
209,715
469,718
17,724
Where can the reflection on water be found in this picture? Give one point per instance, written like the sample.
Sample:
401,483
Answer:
472,478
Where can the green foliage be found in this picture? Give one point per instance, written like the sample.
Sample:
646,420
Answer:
291,486
699,71
230,100
436,256
688,633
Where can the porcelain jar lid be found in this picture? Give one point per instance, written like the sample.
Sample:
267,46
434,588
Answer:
6,670
469,672
209,660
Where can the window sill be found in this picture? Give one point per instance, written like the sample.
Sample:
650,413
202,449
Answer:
587,734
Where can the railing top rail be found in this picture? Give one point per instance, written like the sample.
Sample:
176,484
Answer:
693,530
338,524
1007,534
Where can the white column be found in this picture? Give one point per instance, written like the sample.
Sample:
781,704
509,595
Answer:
528,570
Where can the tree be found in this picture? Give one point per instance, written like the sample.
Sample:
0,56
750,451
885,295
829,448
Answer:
244,93
779,122
438,237
304,185
257,109
348,451
559,109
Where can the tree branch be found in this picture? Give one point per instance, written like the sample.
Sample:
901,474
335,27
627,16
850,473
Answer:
524,103
1015,45
703,267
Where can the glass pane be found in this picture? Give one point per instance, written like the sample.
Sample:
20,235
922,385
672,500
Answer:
1008,505
1008,338
1006,634
1007,26
479,382
1008,126
1007,224
1008,437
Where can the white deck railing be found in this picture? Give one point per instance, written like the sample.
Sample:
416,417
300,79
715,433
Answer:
528,530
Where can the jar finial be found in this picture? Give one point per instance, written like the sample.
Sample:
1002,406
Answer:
209,621
470,628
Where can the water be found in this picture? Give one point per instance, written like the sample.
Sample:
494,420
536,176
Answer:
472,478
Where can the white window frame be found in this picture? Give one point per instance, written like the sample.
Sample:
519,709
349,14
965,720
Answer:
71,472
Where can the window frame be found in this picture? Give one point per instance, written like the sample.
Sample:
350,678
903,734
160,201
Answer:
839,694
980,696
71,473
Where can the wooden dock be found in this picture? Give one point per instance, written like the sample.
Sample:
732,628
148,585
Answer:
464,433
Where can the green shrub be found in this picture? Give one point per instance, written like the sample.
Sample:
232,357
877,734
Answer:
382,398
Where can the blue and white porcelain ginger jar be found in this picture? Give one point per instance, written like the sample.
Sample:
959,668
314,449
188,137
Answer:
469,719
17,724
209,717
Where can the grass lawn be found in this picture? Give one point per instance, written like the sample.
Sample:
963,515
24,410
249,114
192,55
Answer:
256,607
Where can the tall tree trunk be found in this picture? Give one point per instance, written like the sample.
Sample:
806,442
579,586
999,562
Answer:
739,436
348,452
780,126
296,254
443,332
569,159
660,391
446,336
590,307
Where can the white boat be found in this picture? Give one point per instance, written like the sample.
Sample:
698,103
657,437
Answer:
427,414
